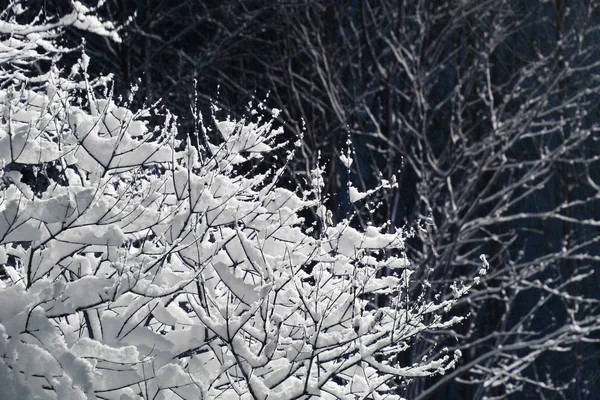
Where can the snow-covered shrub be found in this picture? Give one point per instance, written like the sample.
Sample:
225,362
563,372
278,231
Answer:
143,267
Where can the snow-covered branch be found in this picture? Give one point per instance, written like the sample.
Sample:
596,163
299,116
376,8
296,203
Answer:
133,265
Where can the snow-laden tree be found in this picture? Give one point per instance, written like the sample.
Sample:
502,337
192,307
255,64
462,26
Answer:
138,266
140,269
485,111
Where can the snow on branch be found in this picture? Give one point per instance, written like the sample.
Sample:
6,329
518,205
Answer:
23,44
133,268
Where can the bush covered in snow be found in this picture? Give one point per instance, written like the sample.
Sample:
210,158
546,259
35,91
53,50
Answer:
138,266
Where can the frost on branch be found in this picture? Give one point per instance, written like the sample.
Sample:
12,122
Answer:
138,270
